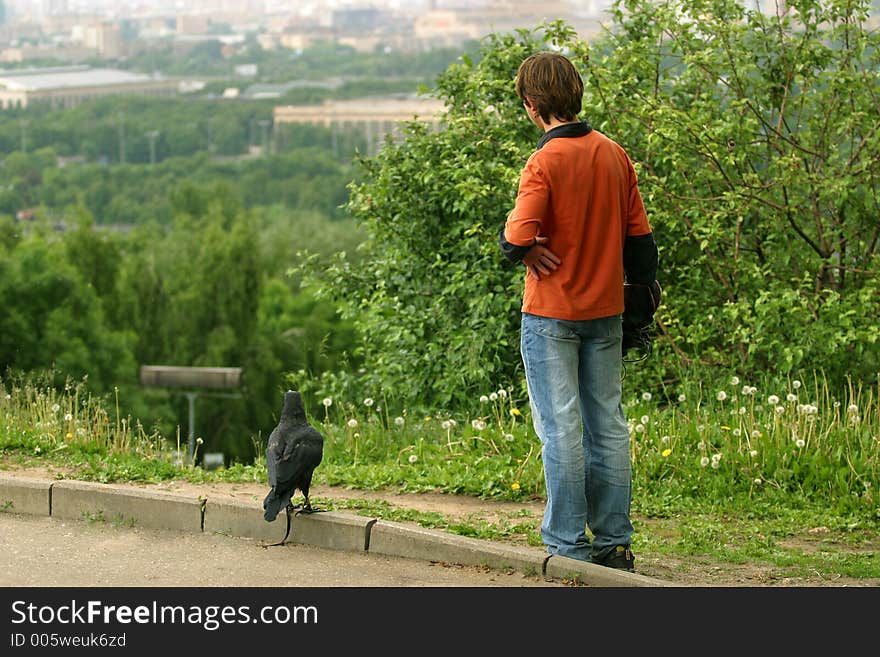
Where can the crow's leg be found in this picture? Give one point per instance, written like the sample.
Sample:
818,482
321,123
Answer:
287,511
306,506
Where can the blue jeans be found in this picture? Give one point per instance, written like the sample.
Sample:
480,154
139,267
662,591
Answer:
573,373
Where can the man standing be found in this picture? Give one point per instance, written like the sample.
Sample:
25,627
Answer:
580,227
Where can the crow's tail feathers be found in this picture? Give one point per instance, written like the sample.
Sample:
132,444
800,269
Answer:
272,505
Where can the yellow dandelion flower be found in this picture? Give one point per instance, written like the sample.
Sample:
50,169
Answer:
69,435
515,485
666,452
428,418
723,428
515,411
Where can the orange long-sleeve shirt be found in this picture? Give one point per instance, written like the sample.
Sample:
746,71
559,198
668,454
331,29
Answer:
580,190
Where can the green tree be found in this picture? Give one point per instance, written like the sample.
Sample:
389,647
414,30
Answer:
757,141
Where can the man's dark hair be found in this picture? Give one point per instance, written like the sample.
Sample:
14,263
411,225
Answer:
553,84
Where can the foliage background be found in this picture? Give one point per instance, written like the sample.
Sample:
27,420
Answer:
757,144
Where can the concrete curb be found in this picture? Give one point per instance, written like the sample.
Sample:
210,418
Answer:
136,507
83,500
25,495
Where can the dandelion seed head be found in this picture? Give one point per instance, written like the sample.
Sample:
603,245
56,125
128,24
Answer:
716,464
701,445
413,458
753,453
55,408
758,481
852,409
368,401
399,421
484,399
645,419
799,442
68,417
721,396
446,424
452,422
502,393
791,397
327,401
646,396
493,396
704,461
737,431
734,380
640,428
352,423
682,397
779,410
664,440
773,400
199,441
795,384
508,437
478,424
756,433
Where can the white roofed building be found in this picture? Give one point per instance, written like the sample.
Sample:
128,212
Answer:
66,86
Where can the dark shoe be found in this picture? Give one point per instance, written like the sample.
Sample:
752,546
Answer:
620,557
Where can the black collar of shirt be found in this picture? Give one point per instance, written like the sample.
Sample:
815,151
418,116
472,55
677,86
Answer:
578,129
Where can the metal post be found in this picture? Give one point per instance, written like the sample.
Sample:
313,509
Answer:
191,397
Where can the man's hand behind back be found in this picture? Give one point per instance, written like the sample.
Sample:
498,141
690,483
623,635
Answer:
540,260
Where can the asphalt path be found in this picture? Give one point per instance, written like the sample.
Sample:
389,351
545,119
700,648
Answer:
50,552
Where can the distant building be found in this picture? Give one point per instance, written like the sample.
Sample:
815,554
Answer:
66,86
377,117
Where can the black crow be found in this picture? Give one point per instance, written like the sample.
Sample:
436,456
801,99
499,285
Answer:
293,451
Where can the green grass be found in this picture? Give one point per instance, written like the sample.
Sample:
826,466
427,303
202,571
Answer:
784,477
